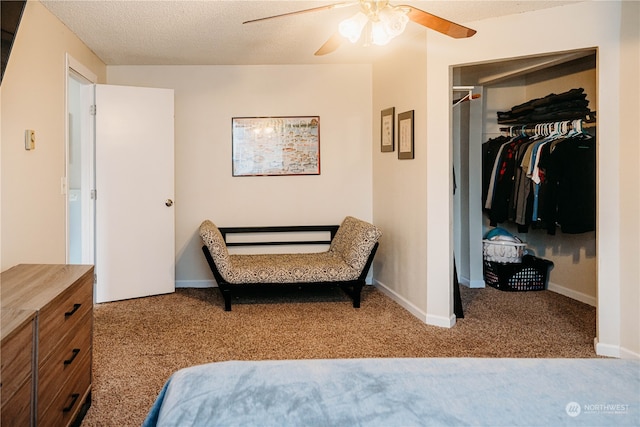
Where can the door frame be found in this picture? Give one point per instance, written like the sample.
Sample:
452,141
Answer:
73,66
467,132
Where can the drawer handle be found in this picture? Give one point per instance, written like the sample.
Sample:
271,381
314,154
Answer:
75,308
74,399
75,351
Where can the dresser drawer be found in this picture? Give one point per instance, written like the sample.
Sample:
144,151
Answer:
61,365
16,351
64,314
59,298
63,408
16,411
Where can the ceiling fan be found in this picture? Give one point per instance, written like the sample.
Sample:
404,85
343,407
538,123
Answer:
380,21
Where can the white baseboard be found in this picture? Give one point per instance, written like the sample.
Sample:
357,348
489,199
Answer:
606,350
443,322
196,284
609,350
628,354
477,284
401,300
578,296
554,287
472,284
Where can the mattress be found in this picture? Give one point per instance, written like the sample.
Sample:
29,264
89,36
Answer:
402,392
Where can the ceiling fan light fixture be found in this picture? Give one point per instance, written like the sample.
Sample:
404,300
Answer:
379,34
394,19
383,21
382,25
351,28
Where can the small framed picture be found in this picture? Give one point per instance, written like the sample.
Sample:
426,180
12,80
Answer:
405,135
387,130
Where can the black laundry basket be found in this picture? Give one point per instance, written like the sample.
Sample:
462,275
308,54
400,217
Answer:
532,274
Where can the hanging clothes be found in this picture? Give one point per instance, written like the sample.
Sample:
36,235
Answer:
502,180
490,151
522,198
542,181
570,169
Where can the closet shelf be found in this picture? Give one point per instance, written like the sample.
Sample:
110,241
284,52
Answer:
588,121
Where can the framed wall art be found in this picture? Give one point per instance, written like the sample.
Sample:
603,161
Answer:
387,130
405,135
271,146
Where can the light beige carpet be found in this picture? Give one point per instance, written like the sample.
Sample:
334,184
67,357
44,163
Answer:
139,343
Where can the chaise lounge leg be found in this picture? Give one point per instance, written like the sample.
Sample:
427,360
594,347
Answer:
226,295
353,290
357,289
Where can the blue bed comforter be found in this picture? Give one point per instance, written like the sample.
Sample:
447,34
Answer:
402,392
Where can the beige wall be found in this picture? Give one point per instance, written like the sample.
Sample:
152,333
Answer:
629,180
33,97
206,99
400,185
577,26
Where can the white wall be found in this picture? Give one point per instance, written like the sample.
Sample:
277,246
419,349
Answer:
206,99
33,97
577,26
400,185
629,181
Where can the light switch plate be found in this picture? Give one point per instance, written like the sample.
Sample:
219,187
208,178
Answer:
30,139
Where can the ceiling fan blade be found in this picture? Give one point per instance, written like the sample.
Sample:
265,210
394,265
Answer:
438,24
299,12
330,45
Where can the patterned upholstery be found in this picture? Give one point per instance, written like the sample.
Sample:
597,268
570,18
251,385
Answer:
212,237
344,261
290,268
354,241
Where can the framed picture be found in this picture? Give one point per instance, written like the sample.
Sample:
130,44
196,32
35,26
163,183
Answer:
270,146
405,135
387,130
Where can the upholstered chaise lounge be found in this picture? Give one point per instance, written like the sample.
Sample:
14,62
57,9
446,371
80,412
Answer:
345,263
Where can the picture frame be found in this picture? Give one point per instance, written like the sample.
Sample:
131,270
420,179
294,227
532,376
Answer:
275,146
405,135
387,130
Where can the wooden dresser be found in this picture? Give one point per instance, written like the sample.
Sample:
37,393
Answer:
16,356
60,300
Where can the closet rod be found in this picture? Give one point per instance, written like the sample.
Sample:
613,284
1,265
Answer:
530,128
468,97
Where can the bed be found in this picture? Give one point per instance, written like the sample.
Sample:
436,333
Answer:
402,392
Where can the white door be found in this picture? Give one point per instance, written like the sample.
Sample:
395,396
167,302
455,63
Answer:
135,250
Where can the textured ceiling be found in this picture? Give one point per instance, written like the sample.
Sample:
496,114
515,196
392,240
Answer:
210,32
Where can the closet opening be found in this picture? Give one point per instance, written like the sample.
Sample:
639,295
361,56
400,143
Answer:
501,109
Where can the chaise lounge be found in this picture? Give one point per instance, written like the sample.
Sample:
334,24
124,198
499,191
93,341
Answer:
346,263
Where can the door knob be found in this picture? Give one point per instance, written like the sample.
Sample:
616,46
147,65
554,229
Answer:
169,203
